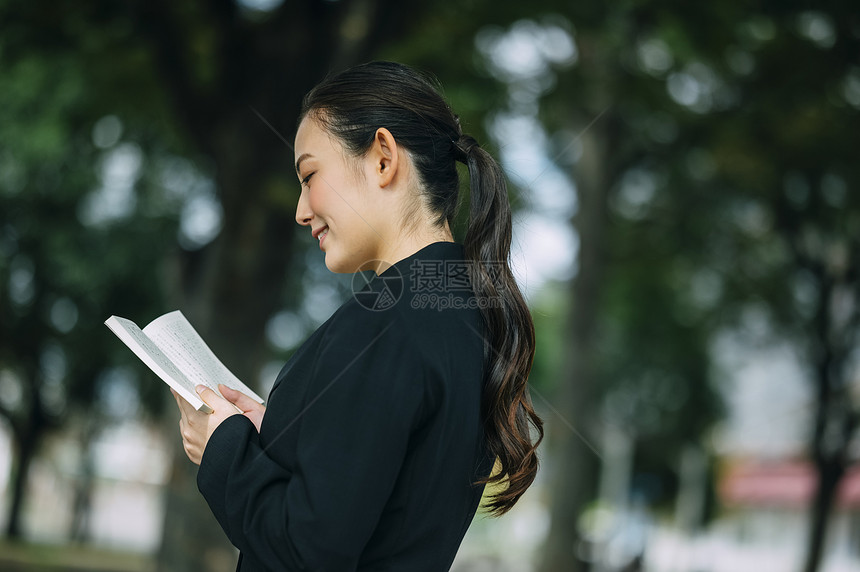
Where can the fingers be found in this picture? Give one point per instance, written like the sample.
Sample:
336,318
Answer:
191,424
238,398
207,394
229,393
215,401
185,408
180,403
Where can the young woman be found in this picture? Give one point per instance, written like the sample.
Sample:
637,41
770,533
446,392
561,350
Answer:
381,431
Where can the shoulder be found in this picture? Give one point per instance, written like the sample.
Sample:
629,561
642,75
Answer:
373,344
356,323
368,360
422,310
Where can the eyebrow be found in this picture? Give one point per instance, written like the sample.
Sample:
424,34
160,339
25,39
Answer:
301,158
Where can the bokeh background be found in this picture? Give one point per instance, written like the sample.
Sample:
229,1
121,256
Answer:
687,232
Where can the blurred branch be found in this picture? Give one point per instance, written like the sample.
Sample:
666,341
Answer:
231,49
311,19
387,21
157,23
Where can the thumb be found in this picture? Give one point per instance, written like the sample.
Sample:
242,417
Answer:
238,398
206,394
213,400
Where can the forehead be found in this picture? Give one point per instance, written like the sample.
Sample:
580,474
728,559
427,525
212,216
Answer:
313,142
312,138
304,131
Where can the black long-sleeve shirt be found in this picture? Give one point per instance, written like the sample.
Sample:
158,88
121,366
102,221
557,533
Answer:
372,435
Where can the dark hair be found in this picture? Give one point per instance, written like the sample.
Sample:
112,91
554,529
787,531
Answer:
352,105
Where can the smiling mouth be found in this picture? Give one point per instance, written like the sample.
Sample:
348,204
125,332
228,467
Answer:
317,232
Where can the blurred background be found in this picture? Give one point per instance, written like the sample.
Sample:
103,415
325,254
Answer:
685,232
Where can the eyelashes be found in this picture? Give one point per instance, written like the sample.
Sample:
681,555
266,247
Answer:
308,178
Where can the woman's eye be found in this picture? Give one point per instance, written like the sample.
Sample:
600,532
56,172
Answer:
308,178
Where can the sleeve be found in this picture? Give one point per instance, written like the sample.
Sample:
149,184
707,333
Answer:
363,402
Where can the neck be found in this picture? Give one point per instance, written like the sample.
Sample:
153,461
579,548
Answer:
410,243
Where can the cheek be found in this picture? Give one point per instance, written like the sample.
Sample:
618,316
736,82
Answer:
331,198
316,200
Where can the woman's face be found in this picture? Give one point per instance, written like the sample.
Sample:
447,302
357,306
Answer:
336,203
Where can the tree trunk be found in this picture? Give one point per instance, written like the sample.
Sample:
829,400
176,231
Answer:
192,540
26,442
834,427
82,500
572,440
829,475
27,431
835,421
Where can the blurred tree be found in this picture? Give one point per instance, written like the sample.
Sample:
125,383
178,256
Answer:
786,164
221,84
712,174
59,277
724,166
626,349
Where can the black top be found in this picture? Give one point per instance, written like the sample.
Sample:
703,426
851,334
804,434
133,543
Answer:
371,437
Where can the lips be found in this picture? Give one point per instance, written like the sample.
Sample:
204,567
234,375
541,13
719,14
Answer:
320,232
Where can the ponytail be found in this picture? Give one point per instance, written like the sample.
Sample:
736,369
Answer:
510,338
352,105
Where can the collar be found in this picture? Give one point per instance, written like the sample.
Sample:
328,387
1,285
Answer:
385,290
441,250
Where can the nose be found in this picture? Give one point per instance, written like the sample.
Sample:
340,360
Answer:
304,214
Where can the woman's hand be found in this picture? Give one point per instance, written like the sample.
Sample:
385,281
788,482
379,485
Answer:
195,426
251,409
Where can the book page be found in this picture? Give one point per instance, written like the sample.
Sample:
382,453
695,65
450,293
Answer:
132,336
181,343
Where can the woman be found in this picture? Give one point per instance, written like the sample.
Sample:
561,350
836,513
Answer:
381,431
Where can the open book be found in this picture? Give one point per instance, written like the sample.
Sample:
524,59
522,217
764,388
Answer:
173,349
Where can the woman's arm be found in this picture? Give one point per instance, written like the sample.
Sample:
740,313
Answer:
364,400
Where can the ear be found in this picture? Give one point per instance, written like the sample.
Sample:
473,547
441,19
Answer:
384,157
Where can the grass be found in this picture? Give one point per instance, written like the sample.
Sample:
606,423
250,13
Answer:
23,556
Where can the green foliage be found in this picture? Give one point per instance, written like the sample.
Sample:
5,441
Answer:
727,165
60,277
728,169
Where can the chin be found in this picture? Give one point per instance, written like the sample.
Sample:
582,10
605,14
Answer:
345,265
338,265
333,267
